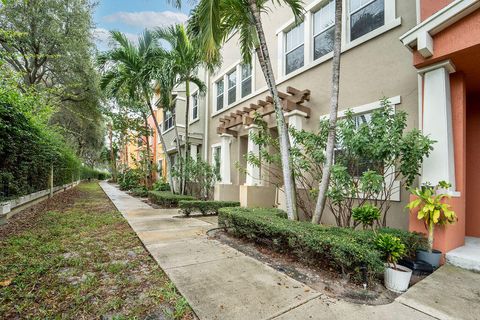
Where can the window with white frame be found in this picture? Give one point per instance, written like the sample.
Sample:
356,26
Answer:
323,30
365,16
294,48
232,86
168,119
246,79
216,154
195,106
219,85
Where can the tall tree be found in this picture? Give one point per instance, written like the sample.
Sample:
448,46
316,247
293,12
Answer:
127,67
212,21
332,122
186,56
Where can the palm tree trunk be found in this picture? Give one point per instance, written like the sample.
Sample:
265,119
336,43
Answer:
332,123
147,160
267,69
112,154
179,153
162,140
187,150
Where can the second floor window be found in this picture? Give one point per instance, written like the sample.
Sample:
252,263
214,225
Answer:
323,30
168,119
246,80
219,88
195,106
294,44
232,86
365,16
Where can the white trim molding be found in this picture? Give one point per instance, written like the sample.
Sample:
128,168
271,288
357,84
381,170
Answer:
438,22
365,108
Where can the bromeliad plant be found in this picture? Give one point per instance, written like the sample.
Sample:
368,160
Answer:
392,248
432,208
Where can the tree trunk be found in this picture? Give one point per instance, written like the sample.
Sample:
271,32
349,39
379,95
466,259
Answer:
266,65
162,140
179,153
112,154
332,123
187,150
431,229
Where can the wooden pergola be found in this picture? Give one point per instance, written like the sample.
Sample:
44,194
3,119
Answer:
292,100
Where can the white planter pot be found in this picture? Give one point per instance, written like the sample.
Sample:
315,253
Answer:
397,280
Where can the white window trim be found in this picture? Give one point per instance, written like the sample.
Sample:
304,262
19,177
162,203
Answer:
224,74
367,108
192,119
250,78
391,21
284,45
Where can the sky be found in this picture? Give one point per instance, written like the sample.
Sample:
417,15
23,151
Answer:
133,16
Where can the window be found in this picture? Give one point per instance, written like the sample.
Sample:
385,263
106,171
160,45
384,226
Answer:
323,30
246,80
160,169
216,153
356,166
168,119
365,16
232,86
219,86
195,106
294,43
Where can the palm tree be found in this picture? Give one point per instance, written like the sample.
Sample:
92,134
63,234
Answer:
212,21
187,58
126,67
332,123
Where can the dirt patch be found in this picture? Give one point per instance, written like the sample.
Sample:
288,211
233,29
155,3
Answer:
329,282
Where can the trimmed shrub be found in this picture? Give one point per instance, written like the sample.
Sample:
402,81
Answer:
140,192
166,198
161,186
204,207
346,249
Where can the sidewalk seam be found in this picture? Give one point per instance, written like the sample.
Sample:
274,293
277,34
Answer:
294,306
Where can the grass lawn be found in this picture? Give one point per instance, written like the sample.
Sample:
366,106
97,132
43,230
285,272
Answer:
77,258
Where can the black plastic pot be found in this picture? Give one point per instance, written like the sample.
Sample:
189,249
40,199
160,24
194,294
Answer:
430,257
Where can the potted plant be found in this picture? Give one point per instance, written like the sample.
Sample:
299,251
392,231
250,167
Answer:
432,209
396,277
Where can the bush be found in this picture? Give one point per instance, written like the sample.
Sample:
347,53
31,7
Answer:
166,198
130,179
391,247
346,249
204,207
366,215
161,186
140,192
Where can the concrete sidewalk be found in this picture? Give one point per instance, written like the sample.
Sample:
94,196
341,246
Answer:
220,282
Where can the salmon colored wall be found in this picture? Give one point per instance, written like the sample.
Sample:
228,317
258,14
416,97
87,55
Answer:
459,36
453,236
429,7
473,174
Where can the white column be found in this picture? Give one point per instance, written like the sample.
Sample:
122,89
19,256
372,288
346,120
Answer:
437,124
226,139
253,172
193,151
295,120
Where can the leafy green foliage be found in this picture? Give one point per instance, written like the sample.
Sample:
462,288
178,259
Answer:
161,185
167,199
204,207
391,247
343,249
130,179
432,208
200,177
140,192
366,215
374,158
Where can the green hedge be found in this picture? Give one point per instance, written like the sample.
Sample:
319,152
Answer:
205,207
342,249
166,198
140,192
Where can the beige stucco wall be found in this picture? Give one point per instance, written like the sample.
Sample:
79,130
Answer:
380,67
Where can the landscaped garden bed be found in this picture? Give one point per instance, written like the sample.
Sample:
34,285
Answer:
352,253
75,257
167,199
204,207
